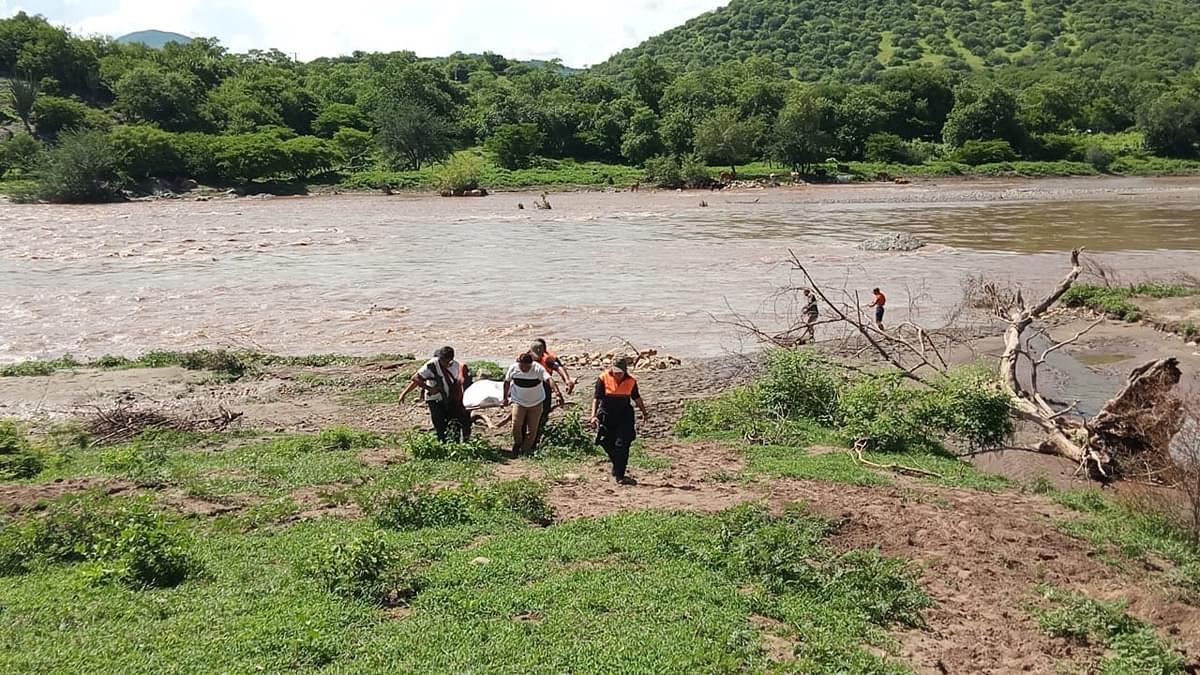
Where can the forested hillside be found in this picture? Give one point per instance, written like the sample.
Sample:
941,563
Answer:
1098,86
855,39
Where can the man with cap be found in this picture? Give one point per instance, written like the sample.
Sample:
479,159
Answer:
612,415
444,380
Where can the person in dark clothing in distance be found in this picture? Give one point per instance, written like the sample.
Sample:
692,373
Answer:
612,415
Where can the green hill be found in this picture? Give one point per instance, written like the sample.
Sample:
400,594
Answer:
153,38
851,39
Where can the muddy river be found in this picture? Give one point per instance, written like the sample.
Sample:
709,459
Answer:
364,274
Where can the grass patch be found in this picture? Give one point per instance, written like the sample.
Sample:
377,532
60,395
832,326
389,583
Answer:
120,538
1134,533
231,364
1133,646
641,592
409,507
804,400
1116,301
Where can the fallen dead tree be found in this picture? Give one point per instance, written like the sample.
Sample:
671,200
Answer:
1129,438
126,419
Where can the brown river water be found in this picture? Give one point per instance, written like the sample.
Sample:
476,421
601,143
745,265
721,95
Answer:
364,274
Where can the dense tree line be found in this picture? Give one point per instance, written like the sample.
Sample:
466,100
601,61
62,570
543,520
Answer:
196,110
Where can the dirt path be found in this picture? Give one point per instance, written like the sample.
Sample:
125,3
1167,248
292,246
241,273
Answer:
980,555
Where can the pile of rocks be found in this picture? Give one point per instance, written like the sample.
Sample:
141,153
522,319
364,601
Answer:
892,241
648,359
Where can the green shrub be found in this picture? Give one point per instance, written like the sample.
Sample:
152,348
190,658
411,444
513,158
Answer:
146,551
664,172
1134,646
54,115
802,384
892,149
695,173
18,458
247,157
79,169
220,361
425,445
566,437
1099,158
515,144
422,506
462,172
985,152
308,156
1115,300
22,151
144,151
967,404
881,411
124,538
366,569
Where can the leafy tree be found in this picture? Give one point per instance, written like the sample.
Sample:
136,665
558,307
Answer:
1172,124
308,156
412,134
983,112
337,116
641,140
170,99
354,146
515,144
22,151
726,139
1050,106
53,115
248,157
261,95
24,94
800,139
885,147
143,151
79,169
650,81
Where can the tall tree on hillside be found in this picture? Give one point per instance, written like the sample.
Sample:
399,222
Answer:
726,139
1172,124
411,133
983,112
650,80
800,139
24,93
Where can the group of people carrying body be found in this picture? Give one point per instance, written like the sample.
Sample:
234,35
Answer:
529,385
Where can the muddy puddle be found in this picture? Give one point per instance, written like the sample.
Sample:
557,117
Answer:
364,274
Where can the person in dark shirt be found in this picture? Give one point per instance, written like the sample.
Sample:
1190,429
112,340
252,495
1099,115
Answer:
612,415
811,314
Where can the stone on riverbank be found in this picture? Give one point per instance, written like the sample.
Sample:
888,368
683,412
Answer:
892,241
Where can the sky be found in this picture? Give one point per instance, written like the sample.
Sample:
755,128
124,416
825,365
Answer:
580,32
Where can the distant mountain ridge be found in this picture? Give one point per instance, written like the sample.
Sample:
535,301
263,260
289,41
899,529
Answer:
153,38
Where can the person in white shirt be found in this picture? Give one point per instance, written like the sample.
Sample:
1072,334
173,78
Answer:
524,388
444,380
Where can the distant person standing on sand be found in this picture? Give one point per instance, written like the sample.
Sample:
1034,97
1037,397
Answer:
444,380
879,305
612,415
811,314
